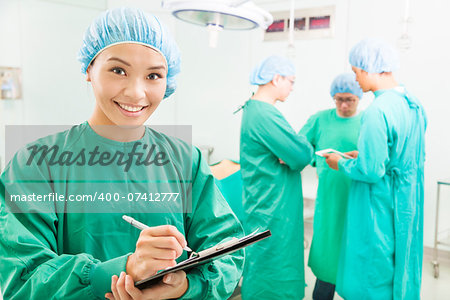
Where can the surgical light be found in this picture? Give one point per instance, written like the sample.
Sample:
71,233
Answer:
218,15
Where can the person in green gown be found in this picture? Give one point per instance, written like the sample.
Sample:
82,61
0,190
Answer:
79,247
381,256
272,155
336,128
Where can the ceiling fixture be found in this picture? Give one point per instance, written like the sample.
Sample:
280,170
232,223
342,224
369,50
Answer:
291,45
405,40
217,15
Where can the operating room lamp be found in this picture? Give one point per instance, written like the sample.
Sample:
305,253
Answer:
217,15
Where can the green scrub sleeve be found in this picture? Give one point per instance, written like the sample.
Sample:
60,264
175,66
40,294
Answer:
373,149
30,268
101,273
211,222
309,130
32,264
281,139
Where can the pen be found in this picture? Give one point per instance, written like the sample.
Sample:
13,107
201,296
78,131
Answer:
141,226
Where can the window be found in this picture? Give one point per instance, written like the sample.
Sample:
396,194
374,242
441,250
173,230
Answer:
308,24
276,26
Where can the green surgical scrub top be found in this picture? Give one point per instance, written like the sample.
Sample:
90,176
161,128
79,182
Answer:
274,268
326,130
70,250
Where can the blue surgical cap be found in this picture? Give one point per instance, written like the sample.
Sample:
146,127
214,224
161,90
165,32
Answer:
346,83
374,56
269,67
130,25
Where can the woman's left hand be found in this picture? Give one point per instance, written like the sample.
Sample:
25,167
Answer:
173,285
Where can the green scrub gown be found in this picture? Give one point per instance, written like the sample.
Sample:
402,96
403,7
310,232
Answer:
274,268
327,130
382,249
54,251
231,188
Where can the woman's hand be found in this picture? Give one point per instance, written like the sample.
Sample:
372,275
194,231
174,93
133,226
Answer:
173,285
156,249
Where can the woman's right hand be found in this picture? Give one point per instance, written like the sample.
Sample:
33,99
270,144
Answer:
156,249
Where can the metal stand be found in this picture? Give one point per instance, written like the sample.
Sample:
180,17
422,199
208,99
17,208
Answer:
436,232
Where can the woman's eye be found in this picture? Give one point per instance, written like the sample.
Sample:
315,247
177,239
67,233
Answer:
153,76
118,71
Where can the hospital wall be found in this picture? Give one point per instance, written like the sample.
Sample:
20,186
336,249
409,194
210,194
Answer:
43,37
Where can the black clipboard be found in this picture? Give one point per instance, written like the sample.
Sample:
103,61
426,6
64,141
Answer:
205,256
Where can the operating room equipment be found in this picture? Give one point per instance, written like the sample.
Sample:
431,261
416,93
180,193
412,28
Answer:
217,15
437,240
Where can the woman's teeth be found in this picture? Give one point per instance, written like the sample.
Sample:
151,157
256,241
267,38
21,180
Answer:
130,108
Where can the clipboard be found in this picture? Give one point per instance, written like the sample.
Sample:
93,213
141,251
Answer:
205,256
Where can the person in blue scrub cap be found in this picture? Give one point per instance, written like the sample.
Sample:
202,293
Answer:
272,155
68,250
382,249
336,128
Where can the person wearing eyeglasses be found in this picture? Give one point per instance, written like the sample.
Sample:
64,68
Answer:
336,128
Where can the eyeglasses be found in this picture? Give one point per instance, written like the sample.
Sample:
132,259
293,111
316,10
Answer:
348,100
292,81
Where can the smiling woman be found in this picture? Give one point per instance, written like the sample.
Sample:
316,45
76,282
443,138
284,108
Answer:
129,82
76,249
